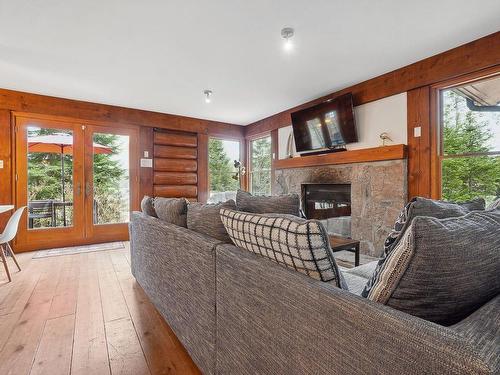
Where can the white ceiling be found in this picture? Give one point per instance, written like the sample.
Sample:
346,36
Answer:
161,55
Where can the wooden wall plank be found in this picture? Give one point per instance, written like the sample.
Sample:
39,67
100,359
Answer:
175,165
175,178
479,54
419,148
5,172
146,174
176,191
175,139
203,183
175,152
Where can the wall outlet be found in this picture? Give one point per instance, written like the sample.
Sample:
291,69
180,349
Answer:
1,164
417,132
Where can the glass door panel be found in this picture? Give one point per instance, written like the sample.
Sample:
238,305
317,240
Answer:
49,180
111,182
50,177
110,170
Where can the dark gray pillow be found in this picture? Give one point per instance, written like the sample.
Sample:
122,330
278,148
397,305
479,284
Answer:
442,269
280,204
147,206
421,207
288,240
171,210
205,218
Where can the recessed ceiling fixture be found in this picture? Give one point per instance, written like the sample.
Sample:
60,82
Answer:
208,95
287,34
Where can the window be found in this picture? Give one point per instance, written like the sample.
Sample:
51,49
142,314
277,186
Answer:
223,170
260,166
470,146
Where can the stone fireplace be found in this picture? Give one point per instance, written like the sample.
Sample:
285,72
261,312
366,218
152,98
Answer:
378,192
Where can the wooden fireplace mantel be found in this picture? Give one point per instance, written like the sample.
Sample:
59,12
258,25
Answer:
392,152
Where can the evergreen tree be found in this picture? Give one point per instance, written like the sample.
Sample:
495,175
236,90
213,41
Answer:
261,166
468,132
220,167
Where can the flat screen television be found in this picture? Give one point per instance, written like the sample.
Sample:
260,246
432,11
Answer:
329,125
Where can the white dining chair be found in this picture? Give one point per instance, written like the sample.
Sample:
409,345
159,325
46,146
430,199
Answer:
8,235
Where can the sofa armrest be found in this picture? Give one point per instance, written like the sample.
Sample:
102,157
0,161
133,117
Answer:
271,320
176,268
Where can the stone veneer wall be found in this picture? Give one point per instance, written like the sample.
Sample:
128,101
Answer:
378,193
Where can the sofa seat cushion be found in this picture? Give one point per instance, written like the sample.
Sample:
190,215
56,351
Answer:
366,270
421,207
442,269
281,204
171,210
355,283
147,206
205,218
288,240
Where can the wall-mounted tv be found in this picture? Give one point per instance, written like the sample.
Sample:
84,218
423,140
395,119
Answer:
329,125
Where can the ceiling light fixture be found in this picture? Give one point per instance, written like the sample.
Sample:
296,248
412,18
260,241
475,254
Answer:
208,95
287,34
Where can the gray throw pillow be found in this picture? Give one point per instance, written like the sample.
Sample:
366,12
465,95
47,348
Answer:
280,204
205,218
442,269
171,210
421,207
147,206
287,240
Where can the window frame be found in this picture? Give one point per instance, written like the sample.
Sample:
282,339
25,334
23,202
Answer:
436,126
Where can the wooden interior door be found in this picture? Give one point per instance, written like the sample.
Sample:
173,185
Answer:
49,181
108,204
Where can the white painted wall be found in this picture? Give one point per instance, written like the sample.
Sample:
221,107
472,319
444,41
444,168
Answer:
384,115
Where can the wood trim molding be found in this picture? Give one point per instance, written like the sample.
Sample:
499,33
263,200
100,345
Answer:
471,57
392,152
419,148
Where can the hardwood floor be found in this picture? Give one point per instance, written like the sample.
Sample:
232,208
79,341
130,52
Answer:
83,314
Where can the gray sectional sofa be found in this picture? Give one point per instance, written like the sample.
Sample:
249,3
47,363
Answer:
238,313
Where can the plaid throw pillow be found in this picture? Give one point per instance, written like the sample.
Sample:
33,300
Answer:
288,240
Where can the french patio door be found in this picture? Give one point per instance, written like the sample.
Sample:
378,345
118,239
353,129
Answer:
78,181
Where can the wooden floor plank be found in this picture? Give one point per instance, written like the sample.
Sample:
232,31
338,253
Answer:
64,302
90,352
125,352
20,348
53,356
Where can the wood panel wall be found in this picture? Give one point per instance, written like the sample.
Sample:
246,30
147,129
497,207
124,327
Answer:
5,172
175,165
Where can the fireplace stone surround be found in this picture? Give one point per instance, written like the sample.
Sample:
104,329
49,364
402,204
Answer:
378,193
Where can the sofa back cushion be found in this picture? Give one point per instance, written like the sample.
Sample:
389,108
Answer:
442,269
288,240
280,204
205,218
421,207
147,206
171,210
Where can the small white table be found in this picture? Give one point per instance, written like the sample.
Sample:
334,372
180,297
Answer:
6,207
